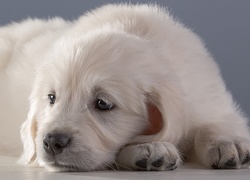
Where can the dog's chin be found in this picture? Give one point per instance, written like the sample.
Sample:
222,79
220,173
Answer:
56,167
55,164
62,167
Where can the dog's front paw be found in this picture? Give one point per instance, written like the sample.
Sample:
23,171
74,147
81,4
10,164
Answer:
227,154
230,154
149,156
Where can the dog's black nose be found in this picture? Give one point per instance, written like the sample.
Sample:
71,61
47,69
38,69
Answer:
55,143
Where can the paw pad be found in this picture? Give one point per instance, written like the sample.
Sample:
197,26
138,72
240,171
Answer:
215,166
158,163
246,160
142,163
171,166
231,163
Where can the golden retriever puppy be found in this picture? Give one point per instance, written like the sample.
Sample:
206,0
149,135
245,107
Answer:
125,85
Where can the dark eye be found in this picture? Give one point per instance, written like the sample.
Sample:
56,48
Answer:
103,105
52,98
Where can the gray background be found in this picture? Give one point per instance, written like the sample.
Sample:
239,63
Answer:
224,25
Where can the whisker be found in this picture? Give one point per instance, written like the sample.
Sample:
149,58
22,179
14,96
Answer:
105,166
110,165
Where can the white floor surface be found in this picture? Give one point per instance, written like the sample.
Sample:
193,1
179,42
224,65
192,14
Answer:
10,171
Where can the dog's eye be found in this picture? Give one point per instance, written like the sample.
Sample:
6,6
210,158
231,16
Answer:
103,105
52,98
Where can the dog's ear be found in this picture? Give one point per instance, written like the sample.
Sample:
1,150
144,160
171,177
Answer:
166,115
28,135
154,119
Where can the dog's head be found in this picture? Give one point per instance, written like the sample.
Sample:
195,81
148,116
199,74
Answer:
95,95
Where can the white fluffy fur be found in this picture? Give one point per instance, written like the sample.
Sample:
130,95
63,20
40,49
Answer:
130,56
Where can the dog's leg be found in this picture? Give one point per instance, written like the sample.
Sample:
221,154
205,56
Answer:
149,156
219,146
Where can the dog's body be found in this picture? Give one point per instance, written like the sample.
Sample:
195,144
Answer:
104,83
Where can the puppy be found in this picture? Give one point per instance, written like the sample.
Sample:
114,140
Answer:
125,86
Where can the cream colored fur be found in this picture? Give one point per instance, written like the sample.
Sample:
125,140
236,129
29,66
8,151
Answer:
129,55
